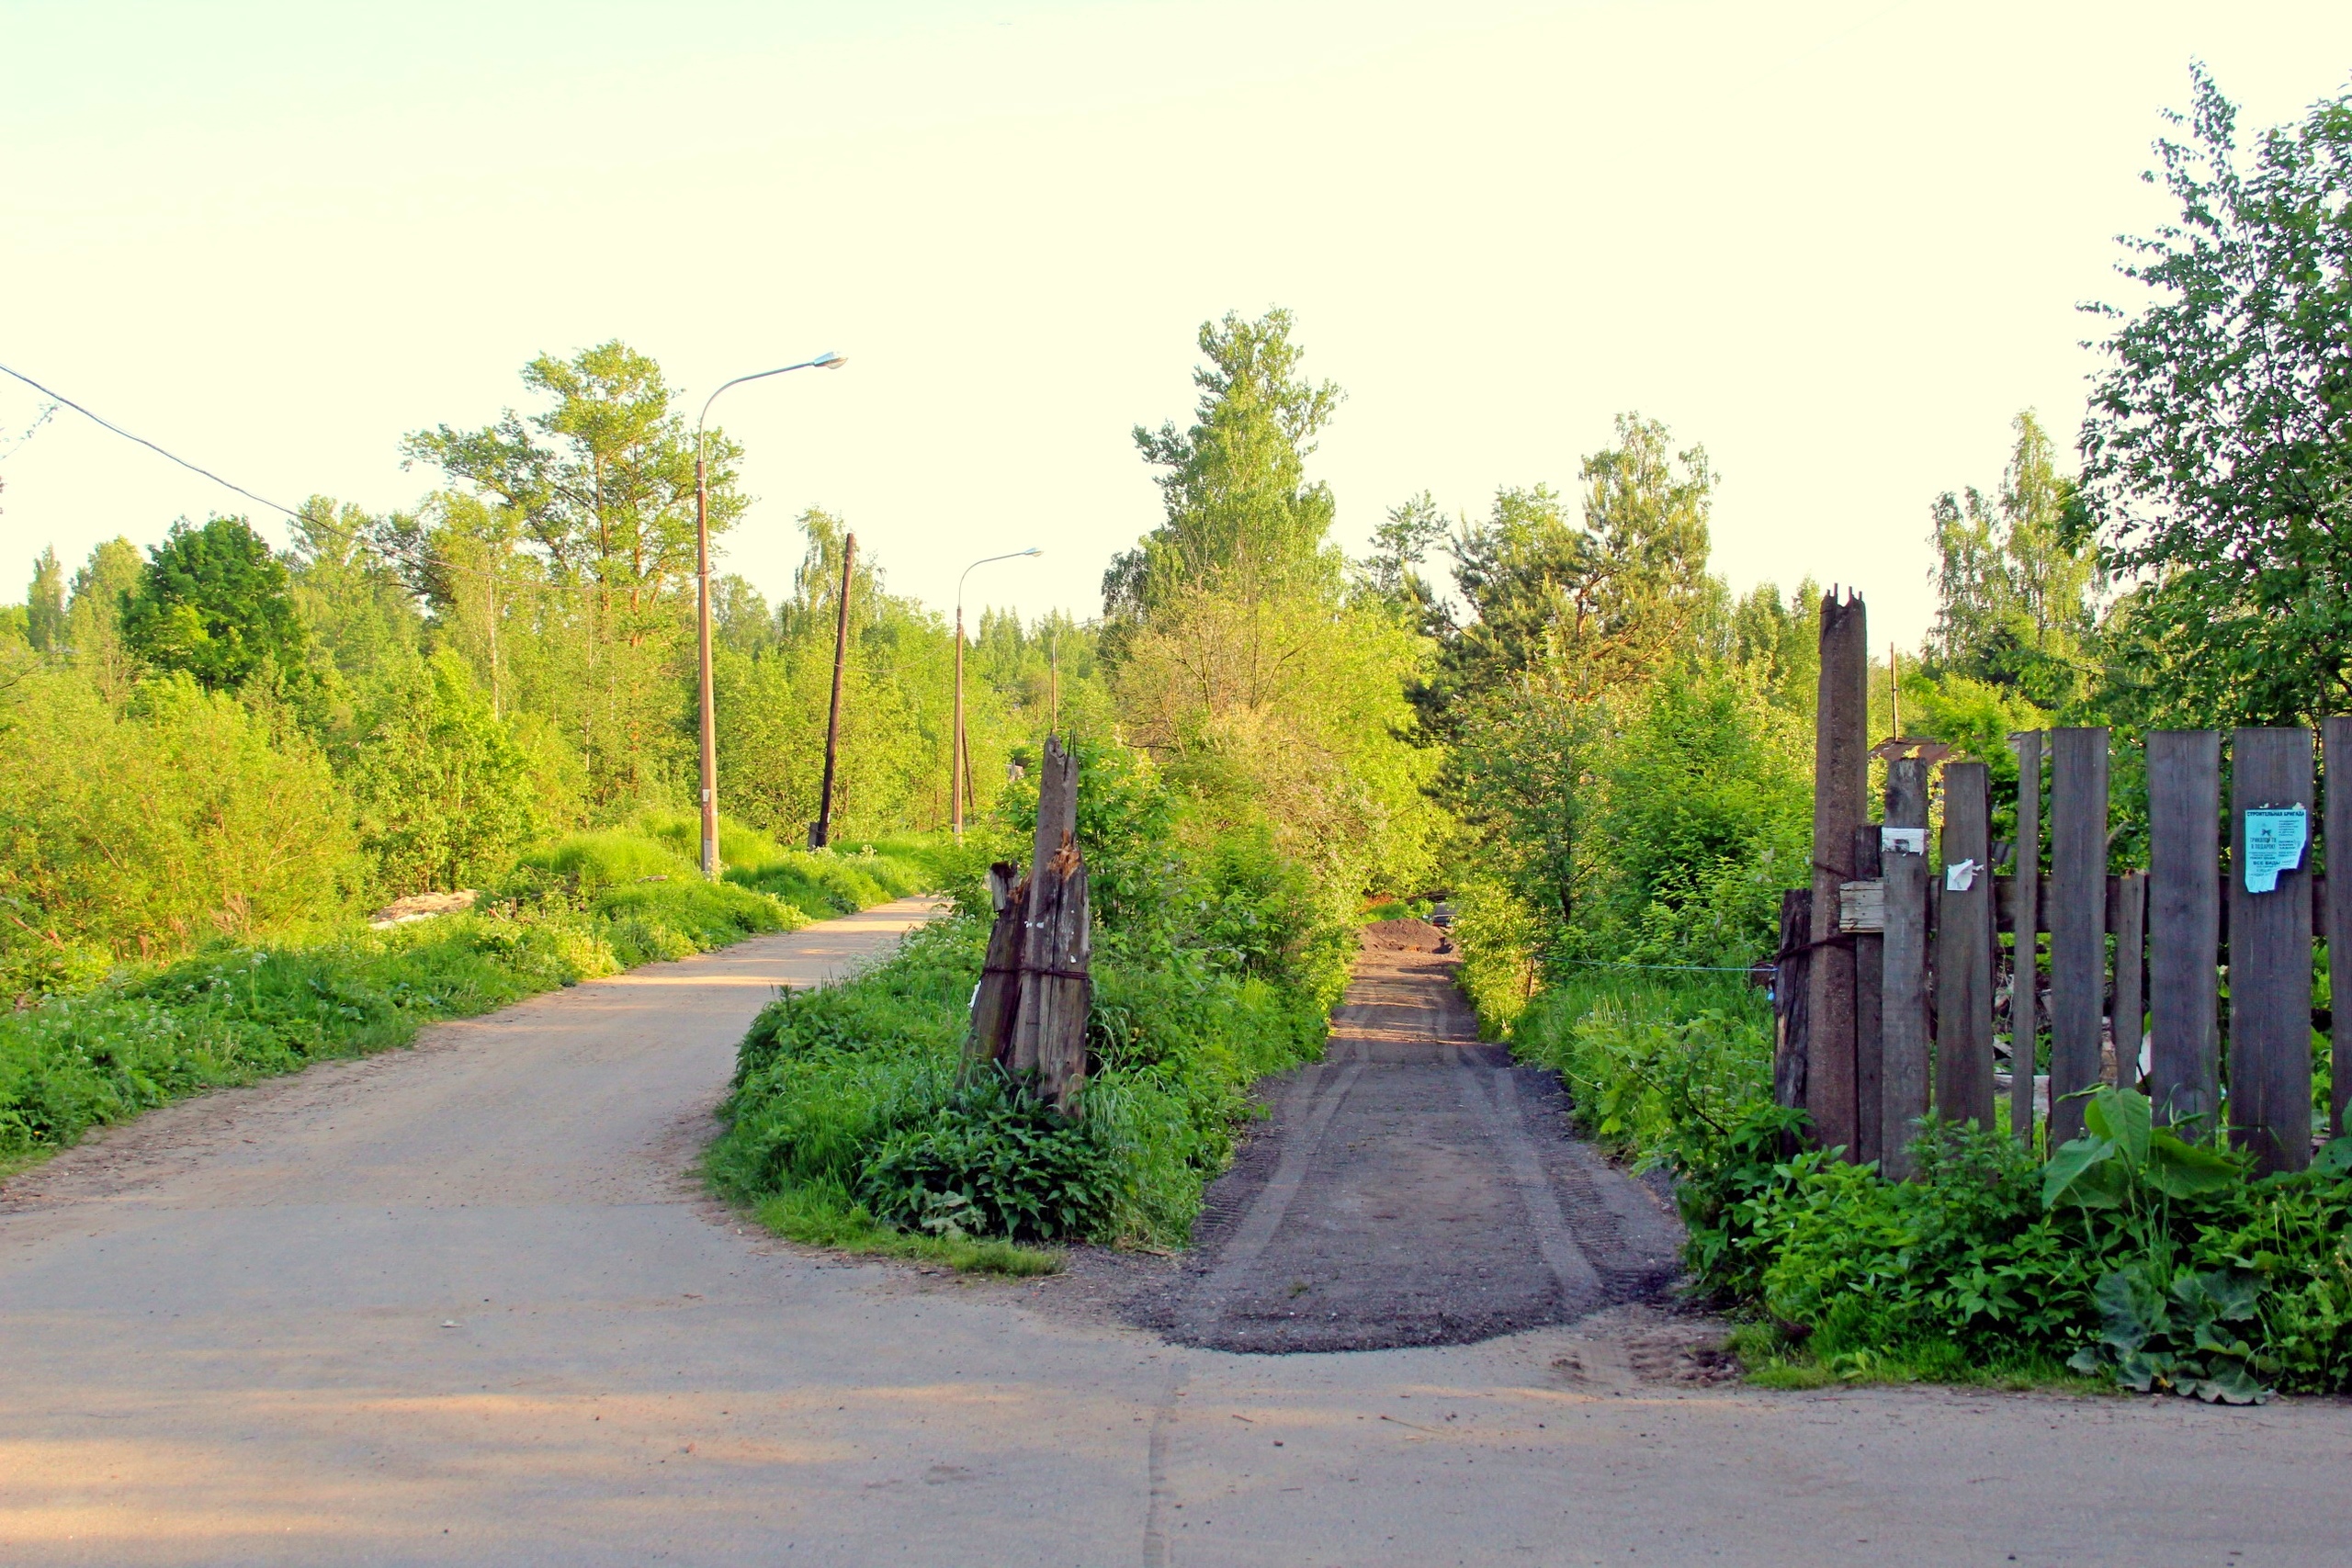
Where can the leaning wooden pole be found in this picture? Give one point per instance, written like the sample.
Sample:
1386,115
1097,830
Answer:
1841,785
824,830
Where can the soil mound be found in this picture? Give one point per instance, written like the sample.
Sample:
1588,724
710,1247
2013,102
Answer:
1405,936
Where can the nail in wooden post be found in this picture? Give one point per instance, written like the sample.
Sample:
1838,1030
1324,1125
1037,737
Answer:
2077,921
1903,862
2270,960
2127,1010
2336,758
1964,950
1870,1040
2025,964
1841,785
2185,929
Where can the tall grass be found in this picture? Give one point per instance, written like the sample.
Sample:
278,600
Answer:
590,905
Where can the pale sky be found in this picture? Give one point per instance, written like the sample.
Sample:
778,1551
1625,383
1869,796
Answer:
1838,244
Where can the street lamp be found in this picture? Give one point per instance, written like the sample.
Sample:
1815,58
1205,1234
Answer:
826,361
960,762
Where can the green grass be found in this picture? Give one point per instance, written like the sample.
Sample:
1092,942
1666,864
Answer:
1772,1359
823,1214
591,905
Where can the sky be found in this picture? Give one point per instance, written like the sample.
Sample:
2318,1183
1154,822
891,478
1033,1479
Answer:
1839,245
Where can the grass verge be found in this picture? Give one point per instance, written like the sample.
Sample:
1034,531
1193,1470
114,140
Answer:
235,1011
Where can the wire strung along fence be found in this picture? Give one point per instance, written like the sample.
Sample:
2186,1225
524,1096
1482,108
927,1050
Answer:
1919,972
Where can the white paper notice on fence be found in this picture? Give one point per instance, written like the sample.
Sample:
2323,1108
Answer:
1959,877
1903,841
2275,836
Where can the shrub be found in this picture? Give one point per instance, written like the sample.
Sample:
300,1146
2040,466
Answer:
994,1161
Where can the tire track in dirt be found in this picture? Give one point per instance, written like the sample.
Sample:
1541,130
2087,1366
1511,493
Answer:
1414,1188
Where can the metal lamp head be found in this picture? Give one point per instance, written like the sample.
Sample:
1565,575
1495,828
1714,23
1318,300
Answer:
828,360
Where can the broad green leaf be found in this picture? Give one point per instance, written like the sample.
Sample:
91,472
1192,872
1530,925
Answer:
2121,1116
2227,1382
2184,1170
2064,1178
2334,1159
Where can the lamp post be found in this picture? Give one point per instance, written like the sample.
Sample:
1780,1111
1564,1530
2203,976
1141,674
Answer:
828,361
959,762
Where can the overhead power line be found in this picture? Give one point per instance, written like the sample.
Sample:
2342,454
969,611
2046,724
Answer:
126,436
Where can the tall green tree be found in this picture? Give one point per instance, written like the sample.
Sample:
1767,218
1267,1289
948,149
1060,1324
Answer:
601,484
1597,604
2018,578
216,603
2218,451
45,604
445,794
94,619
1242,518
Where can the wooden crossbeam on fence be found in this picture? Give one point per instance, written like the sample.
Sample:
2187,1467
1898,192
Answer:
2270,958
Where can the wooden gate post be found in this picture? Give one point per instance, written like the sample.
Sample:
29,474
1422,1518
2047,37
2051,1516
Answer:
1057,987
1903,862
2025,962
2270,959
1964,950
2336,758
1840,786
2077,921
2184,928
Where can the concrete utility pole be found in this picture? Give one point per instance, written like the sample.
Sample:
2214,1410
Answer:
959,761
828,361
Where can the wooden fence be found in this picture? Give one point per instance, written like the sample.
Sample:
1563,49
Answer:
1908,967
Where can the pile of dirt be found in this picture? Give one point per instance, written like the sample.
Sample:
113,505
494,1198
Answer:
1406,936
423,906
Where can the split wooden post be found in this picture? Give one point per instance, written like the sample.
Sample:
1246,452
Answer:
997,998
2270,960
2127,1010
2025,964
2185,929
1964,950
1902,860
2335,757
1840,784
2077,921
1056,985
1870,1034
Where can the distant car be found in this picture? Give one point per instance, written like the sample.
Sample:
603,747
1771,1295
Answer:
1441,916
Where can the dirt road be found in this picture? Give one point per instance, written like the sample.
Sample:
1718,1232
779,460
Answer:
465,1305
1414,1189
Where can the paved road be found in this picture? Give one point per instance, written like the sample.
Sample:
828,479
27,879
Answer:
464,1305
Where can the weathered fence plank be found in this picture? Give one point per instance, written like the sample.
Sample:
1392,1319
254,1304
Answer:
2270,959
2184,928
1964,950
2025,962
2077,921
2127,1008
1903,863
2335,741
1841,781
1870,1038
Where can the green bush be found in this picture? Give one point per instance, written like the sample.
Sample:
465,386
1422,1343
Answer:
1213,967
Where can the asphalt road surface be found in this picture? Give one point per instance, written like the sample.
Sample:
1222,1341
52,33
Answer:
466,1304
